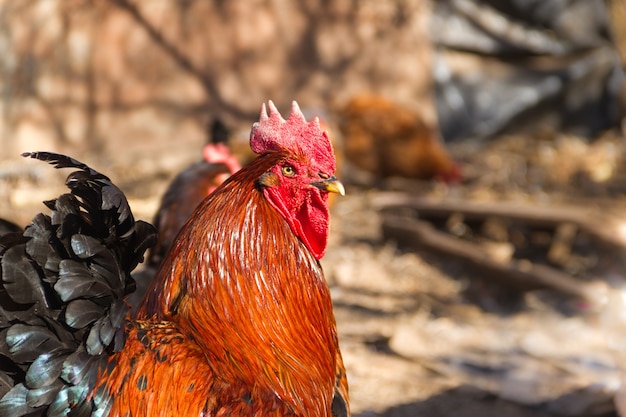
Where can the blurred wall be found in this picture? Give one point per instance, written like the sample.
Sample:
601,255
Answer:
123,76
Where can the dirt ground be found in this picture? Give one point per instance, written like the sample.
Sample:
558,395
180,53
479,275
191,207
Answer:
421,334
424,336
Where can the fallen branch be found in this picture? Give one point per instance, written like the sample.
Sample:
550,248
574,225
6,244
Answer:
533,216
521,274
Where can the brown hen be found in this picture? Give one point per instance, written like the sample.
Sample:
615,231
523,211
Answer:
387,139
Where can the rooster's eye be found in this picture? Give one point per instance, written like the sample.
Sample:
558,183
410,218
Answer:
288,171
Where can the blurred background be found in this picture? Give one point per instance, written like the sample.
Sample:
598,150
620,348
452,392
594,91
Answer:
477,262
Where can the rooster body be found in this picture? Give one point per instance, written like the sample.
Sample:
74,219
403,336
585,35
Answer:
238,319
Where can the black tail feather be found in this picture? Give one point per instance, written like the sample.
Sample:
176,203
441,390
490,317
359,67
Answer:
62,288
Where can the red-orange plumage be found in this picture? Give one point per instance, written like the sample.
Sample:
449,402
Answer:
141,376
239,319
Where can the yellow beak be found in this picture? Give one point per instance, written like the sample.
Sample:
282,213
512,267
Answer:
332,185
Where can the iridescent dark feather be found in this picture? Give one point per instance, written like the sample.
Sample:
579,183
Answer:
62,288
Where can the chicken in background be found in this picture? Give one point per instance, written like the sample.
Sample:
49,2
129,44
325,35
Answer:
238,320
190,187
386,139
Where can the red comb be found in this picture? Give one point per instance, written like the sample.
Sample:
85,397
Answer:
273,133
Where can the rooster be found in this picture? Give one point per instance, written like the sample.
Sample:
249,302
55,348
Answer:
237,321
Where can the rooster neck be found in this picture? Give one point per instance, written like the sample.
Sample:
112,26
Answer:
252,296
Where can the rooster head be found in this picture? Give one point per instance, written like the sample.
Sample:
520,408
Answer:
298,186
